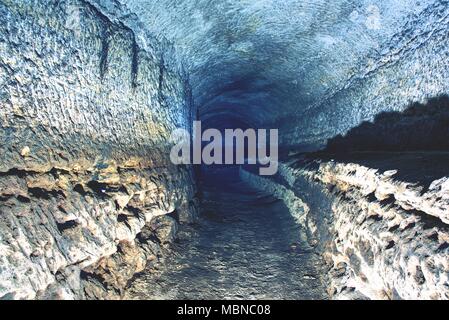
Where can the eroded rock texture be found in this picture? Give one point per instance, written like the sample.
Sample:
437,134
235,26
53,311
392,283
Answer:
383,233
91,90
311,68
86,113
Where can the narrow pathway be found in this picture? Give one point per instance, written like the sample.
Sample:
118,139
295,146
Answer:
246,246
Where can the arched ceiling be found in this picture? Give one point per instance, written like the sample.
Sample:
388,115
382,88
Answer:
312,68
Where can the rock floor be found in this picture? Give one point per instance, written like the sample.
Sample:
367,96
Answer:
246,246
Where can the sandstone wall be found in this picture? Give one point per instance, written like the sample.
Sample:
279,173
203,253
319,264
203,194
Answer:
85,178
381,235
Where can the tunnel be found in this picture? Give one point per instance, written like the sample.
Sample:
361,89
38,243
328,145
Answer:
92,205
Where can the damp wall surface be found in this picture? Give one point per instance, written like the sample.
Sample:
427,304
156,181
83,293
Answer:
380,234
85,118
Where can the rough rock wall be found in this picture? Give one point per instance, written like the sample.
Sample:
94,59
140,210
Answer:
406,66
312,68
381,236
85,178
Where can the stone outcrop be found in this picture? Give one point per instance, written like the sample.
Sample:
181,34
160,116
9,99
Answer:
85,179
390,237
381,235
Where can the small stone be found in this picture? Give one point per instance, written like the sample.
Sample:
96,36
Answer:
339,270
419,276
165,228
25,152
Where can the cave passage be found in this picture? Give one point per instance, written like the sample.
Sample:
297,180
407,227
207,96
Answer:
324,85
92,205
246,246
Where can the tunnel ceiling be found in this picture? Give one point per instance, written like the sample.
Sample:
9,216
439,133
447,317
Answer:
313,68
